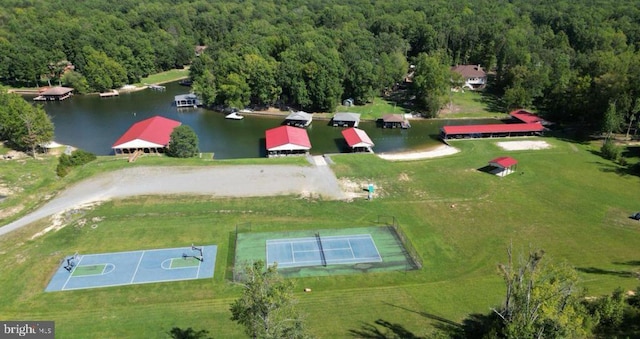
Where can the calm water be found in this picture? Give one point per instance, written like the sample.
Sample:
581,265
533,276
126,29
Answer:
94,124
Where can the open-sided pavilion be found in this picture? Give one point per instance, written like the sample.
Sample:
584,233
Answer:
149,136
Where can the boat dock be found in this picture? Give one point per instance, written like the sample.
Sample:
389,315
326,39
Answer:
113,93
157,88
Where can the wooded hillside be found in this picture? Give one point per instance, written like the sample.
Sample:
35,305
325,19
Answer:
571,59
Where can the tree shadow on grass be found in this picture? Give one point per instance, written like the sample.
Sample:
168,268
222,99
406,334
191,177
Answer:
595,270
474,326
383,330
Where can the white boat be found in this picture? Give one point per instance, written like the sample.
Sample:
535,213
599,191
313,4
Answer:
234,116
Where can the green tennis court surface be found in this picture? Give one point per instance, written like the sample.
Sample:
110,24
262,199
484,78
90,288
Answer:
334,252
82,271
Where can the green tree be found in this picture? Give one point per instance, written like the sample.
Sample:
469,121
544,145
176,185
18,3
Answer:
542,300
102,72
76,81
234,91
37,129
431,82
266,307
23,125
183,142
204,86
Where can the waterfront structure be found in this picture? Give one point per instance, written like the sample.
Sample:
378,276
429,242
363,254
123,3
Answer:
528,124
299,119
148,136
345,119
287,140
57,93
395,121
186,100
357,140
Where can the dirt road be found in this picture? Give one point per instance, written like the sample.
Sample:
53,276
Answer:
219,181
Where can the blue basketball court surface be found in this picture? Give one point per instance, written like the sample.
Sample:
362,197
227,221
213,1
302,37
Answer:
316,251
135,267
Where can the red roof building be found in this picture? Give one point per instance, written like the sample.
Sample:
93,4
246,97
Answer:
491,130
357,139
150,135
526,117
287,140
503,165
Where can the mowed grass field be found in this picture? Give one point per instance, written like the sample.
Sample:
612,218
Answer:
566,200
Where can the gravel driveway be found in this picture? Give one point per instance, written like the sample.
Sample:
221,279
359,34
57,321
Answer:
219,181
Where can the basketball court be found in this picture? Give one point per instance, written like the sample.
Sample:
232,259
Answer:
82,271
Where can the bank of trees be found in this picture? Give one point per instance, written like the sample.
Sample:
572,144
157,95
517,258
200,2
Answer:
570,59
23,126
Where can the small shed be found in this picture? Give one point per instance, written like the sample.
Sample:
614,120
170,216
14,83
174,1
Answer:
503,166
149,136
395,121
57,93
299,119
186,100
346,119
347,102
287,140
358,140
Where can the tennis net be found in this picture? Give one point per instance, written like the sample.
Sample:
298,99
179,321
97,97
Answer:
323,259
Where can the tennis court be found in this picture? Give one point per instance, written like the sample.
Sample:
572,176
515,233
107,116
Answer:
330,250
82,271
323,252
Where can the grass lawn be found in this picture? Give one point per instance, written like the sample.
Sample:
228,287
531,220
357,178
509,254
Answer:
566,200
374,110
164,77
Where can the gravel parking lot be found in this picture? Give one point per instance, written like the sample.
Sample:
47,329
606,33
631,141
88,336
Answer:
218,181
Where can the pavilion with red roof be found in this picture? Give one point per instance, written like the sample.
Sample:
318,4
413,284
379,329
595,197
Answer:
149,136
287,140
357,139
528,124
503,166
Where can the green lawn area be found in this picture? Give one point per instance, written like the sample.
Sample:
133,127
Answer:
164,77
566,200
374,110
466,104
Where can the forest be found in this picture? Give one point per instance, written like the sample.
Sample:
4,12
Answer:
570,60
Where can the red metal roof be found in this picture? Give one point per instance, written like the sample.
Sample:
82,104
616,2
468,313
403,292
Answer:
156,130
495,128
525,116
285,135
356,137
504,161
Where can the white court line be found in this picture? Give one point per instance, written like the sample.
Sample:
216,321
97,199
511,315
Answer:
137,267
200,262
293,255
71,273
374,246
353,255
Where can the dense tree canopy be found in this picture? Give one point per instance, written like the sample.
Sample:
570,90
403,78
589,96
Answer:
569,59
23,125
183,142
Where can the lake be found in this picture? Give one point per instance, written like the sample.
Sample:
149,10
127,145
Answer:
94,124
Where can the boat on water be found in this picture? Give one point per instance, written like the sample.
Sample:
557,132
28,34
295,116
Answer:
234,116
